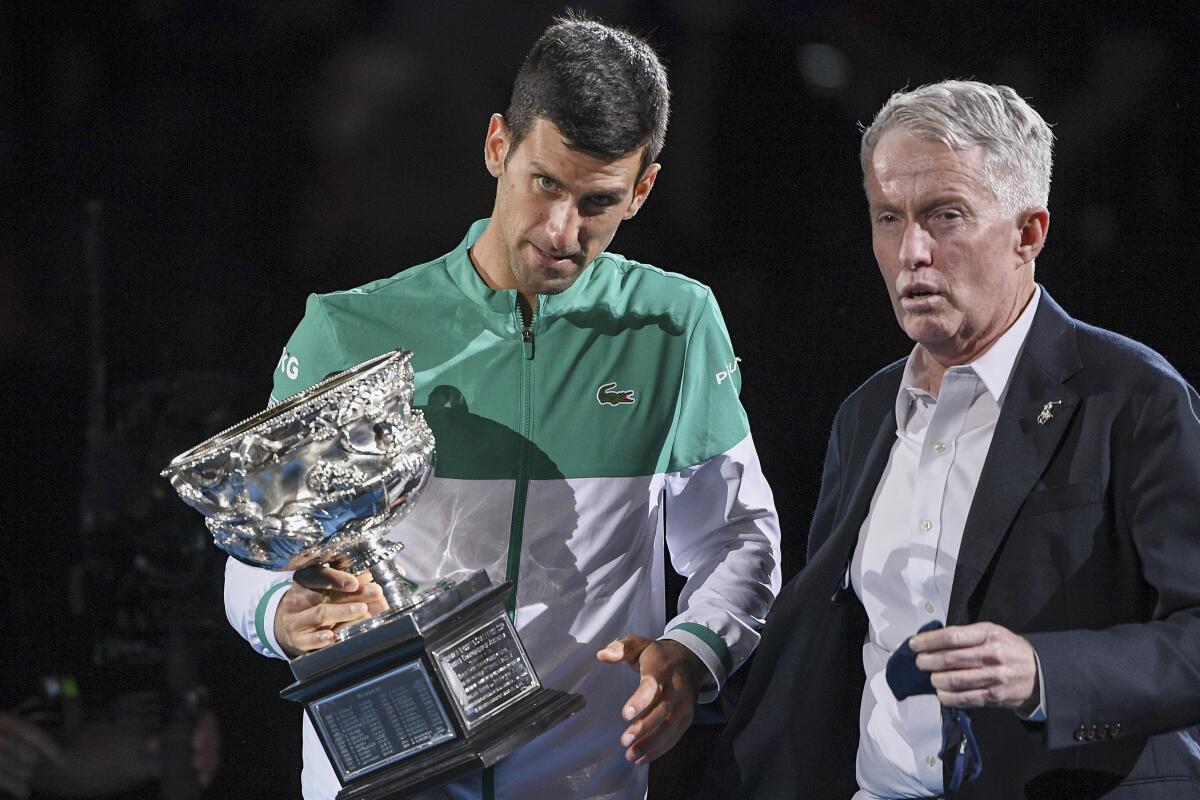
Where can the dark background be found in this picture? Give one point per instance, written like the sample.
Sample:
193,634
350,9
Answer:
247,154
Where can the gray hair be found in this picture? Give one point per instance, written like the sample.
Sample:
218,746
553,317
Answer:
1016,141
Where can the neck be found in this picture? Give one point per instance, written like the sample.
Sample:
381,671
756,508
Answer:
937,364
935,370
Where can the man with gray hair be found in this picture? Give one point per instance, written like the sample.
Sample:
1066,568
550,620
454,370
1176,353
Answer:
1023,490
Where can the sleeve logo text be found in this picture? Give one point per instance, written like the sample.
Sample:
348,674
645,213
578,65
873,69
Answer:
289,365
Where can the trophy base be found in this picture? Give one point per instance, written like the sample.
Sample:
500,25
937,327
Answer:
433,694
460,759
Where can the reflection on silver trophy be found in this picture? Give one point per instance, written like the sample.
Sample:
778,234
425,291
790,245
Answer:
318,478
438,685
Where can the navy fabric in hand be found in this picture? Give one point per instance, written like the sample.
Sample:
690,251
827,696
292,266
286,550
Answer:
902,673
959,752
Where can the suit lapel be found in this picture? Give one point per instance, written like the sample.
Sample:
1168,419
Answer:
1036,415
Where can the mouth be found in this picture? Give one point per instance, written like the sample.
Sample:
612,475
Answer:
552,260
919,291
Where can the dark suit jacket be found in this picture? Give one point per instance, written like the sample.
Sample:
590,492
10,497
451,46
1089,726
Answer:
1083,536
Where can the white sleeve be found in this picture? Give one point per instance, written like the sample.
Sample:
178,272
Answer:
723,534
1039,713
252,596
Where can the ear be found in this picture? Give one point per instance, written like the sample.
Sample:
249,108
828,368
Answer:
496,144
1034,225
641,190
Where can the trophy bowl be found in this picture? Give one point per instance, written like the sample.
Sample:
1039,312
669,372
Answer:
439,685
318,478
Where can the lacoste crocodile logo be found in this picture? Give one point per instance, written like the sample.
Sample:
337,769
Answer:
609,395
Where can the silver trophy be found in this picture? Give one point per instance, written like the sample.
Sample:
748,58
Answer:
438,685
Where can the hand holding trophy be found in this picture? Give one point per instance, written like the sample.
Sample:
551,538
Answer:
321,601
433,687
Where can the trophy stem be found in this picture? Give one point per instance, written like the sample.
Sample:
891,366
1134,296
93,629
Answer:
375,556
396,590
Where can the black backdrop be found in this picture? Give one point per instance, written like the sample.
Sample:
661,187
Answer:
247,154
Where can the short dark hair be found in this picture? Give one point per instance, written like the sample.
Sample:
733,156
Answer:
604,88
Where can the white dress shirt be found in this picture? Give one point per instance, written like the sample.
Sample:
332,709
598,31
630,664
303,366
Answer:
903,565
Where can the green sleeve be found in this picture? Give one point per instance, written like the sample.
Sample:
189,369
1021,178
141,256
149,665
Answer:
310,355
710,418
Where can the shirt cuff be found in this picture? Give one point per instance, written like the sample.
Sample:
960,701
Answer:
712,652
1039,713
264,619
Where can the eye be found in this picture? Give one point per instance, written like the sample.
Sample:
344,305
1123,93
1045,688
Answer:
600,200
885,218
546,184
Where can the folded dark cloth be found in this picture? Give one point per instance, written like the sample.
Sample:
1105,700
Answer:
902,673
960,751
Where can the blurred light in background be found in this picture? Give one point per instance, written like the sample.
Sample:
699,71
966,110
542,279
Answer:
823,66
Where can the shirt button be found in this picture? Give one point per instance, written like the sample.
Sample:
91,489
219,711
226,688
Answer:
926,525
939,446
928,607
930,760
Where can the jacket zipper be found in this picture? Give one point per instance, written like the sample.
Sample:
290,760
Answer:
520,490
521,487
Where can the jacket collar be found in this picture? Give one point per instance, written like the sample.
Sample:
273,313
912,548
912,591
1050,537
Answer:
462,272
501,301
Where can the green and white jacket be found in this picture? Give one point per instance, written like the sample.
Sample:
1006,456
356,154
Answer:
567,452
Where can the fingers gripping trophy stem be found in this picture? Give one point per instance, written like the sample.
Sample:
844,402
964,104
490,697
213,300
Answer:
375,555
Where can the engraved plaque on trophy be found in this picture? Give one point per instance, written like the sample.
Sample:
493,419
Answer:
438,685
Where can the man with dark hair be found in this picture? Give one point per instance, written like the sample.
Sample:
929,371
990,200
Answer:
586,410
1001,598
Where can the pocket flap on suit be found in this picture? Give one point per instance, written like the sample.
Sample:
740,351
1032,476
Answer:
1057,498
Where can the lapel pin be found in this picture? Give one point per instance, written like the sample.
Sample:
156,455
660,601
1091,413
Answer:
1047,412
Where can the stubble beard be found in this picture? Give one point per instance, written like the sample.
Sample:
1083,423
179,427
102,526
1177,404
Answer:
530,278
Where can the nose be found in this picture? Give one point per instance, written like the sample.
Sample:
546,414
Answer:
562,228
916,247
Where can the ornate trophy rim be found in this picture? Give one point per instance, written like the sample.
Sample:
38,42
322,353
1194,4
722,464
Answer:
280,414
360,464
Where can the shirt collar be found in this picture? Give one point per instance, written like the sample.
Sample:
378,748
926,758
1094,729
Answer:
994,368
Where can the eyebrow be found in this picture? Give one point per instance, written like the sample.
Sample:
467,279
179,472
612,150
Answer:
949,199
615,195
937,201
